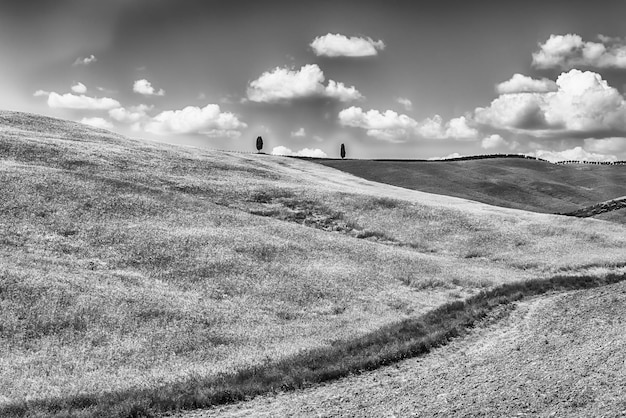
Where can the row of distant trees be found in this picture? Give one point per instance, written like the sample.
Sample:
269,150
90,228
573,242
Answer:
591,162
342,152
259,147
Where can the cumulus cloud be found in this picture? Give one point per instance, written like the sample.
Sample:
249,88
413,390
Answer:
393,127
339,91
298,133
72,101
40,93
97,123
458,128
85,61
583,102
574,154
79,88
447,157
523,84
607,145
337,45
305,152
131,115
514,111
144,87
389,126
283,84
493,141
209,120
570,50
408,105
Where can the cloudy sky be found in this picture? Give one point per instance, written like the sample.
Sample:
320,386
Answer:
390,79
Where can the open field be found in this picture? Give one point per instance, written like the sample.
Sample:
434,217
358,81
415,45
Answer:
526,184
130,265
556,355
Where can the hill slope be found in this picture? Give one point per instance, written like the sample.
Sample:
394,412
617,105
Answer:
509,182
537,358
129,264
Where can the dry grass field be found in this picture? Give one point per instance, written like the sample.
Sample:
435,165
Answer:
560,355
128,266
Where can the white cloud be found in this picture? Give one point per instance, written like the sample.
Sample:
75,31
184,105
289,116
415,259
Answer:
493,141
306,152
105,90
408,105
583,102
209,120
336,45
340,92
388,126
283,84
79,88
299,133
282,150
574,154
393,127
514,111
132,115
71,101
144,87
85,61
570,50
458,128
607,145
523,84
447,157
39,93
97,123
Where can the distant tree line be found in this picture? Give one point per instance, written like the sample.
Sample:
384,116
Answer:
342,153
591,162
469,157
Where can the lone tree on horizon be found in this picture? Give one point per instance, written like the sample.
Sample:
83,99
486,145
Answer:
343,151
259,143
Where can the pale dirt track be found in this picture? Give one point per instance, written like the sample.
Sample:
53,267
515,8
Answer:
558,355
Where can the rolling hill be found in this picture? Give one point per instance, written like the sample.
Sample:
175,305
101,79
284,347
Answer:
526,184
537,357
132,271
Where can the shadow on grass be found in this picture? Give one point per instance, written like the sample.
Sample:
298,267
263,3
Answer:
409,338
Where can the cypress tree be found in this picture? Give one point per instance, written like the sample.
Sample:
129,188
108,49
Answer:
343,151
259,143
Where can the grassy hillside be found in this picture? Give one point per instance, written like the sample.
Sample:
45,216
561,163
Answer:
129,264
536,357
509,182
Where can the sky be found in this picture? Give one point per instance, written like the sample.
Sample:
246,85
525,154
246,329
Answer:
389,79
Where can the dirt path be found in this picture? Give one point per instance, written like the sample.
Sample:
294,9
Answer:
555,355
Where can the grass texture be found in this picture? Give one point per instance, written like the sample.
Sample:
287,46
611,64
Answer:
408,338
519,183
128,266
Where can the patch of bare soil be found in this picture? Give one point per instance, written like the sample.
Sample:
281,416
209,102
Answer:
558,355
